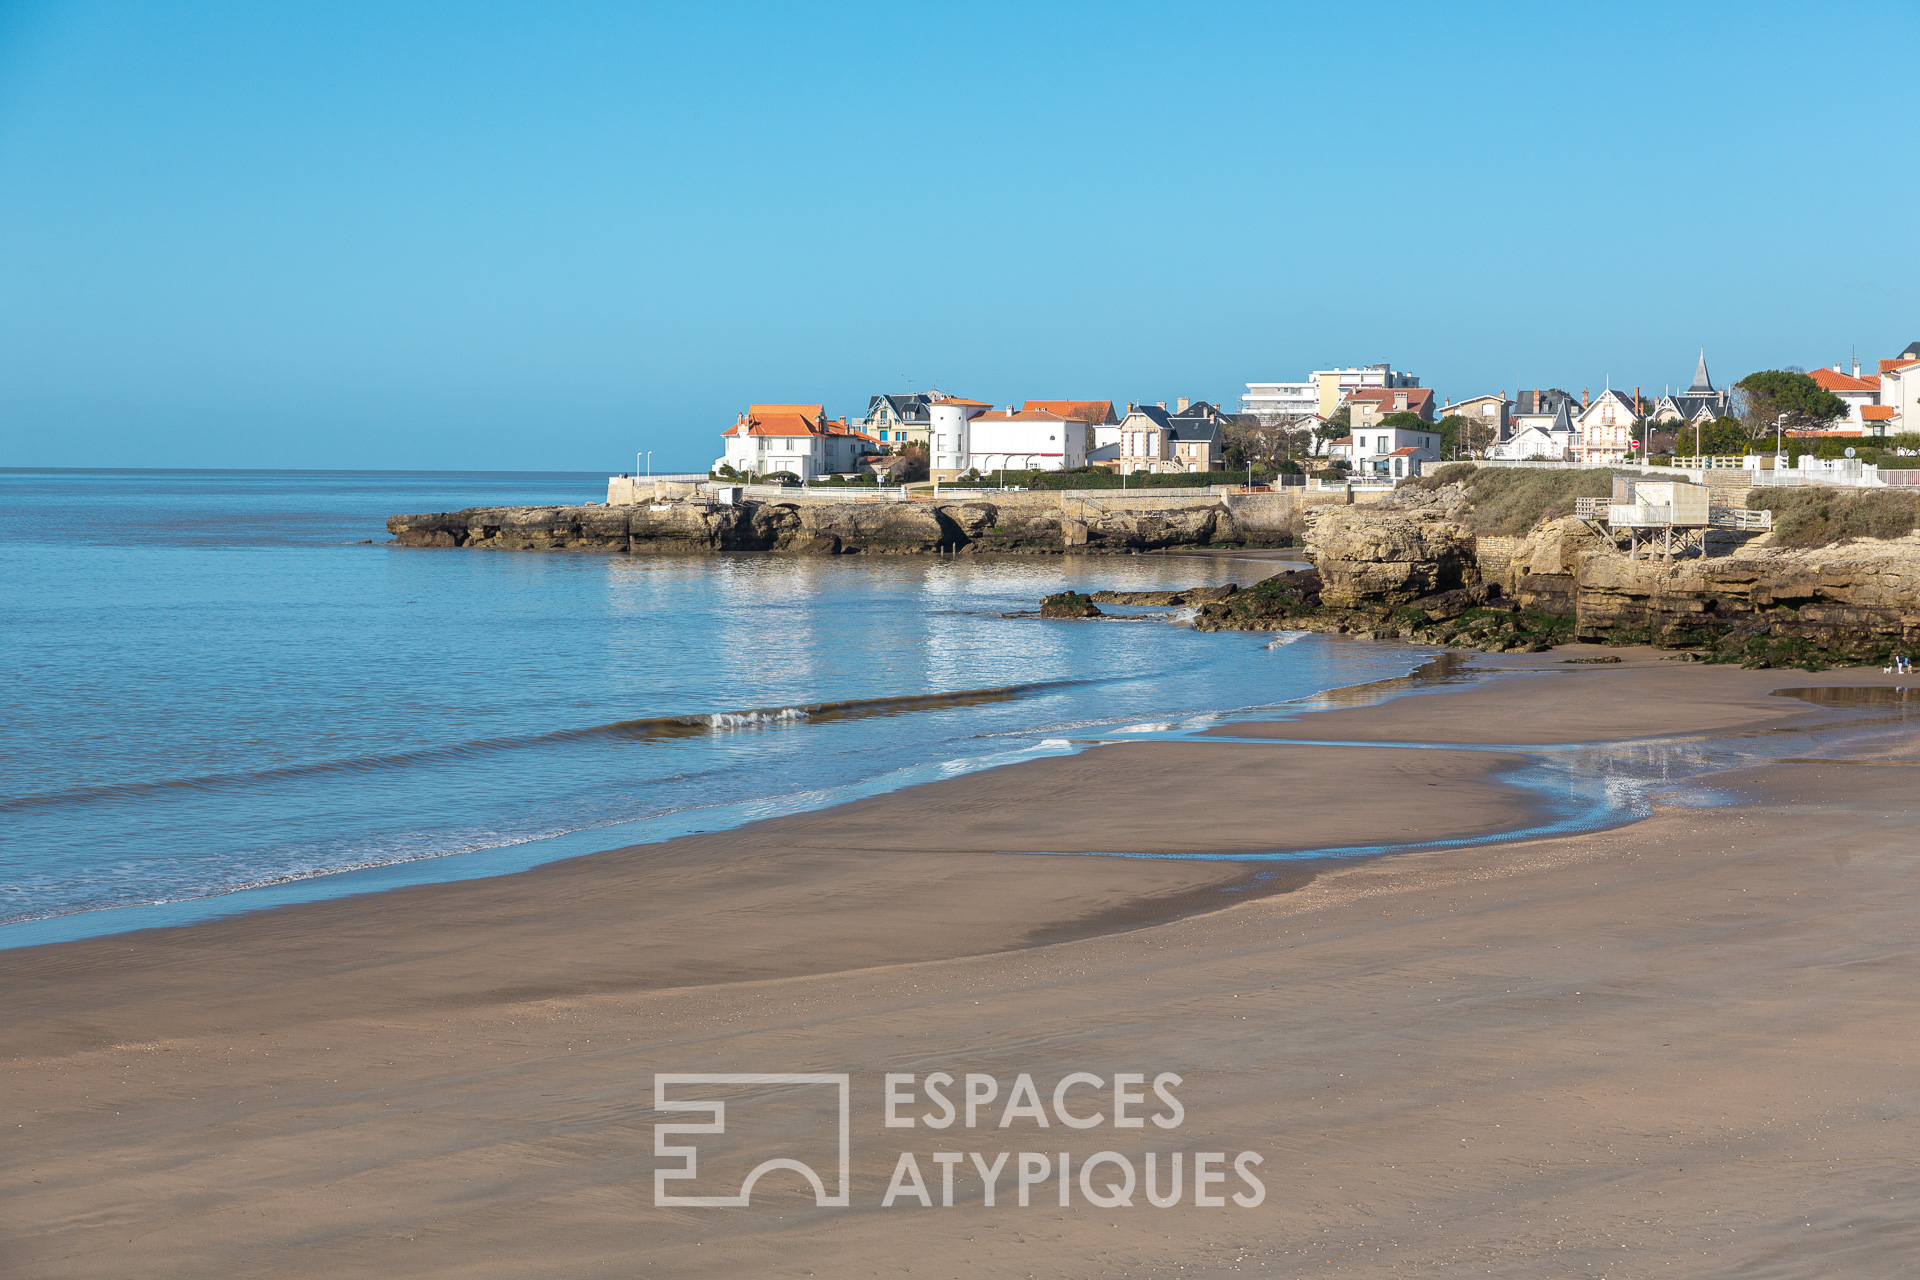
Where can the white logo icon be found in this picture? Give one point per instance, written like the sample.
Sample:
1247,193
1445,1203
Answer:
716,1122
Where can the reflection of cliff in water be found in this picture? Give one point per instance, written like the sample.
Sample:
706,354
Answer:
1441,669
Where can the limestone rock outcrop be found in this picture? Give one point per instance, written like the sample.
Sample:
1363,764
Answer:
813,527
1366,558
1855,602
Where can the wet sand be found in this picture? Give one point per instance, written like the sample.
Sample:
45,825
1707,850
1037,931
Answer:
1681,1046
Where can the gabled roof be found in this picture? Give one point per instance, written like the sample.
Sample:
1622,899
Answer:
1834,380
781,420
1899,362
908,408
1385,396
1094,411
1153,413
1618,397
1879,412
1912,352
1192,429
1501,396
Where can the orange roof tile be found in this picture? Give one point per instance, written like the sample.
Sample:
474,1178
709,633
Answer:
1385,395
1879,412
1834,380
814,411
1100,411
1010,414
962,400
1888,366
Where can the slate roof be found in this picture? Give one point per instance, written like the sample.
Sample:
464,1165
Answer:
910,409
1702,384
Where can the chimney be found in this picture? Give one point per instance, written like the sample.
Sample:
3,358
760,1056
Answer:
1180,405
1636,402
1161,403
1856,368
1583,397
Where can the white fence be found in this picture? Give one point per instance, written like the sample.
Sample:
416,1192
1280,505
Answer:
820,492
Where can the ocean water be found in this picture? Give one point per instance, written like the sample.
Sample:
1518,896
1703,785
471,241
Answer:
216,697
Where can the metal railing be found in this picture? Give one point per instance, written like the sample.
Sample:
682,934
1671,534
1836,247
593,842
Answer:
1741,518
1712,462
1605,511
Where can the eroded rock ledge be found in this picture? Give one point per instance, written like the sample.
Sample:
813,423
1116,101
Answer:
1419,575
823,528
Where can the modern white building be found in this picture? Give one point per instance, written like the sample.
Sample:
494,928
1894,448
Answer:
1321,393
794,438
1025,440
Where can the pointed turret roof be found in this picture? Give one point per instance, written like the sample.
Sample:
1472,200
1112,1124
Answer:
1562,420
1702,384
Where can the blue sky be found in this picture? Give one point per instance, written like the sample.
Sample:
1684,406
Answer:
485,235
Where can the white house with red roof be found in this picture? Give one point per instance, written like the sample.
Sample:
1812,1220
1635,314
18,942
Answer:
1900,391
1389,451
794,438
1026,440
1857,392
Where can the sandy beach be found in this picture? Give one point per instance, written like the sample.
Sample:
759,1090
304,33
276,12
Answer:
1679,1046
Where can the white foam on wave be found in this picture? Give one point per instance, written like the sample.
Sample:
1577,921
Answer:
1286,638
748,719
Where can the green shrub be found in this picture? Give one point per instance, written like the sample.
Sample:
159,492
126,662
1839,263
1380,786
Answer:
1509,501
1820,515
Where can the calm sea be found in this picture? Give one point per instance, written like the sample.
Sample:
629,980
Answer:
216,698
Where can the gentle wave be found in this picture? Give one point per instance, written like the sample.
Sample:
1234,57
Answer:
651,729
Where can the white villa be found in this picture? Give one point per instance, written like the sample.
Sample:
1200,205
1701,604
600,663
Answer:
1026,440
1388,451
1535,439
1605,430
795,438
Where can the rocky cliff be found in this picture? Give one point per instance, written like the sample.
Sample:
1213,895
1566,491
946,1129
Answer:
1393,573
826,528
1369,558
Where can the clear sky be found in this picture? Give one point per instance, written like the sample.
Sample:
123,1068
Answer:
485,235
